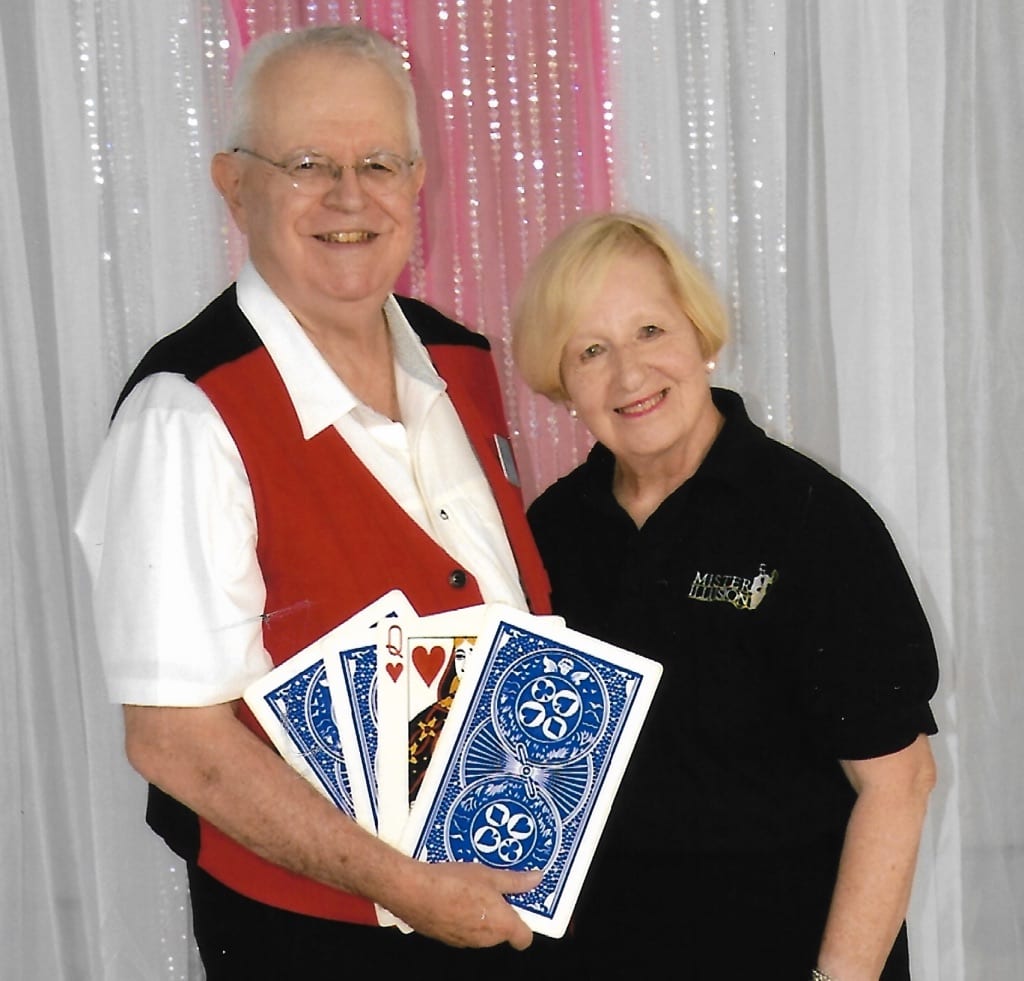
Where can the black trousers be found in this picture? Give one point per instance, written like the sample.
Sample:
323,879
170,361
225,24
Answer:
629,929
725,915
243,940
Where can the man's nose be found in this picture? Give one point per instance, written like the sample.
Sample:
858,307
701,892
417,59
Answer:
347,192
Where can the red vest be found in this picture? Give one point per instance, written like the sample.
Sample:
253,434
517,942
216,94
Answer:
331,540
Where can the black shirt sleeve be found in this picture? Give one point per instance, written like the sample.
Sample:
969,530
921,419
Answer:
866,656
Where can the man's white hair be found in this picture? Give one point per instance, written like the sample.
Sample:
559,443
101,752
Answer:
348,40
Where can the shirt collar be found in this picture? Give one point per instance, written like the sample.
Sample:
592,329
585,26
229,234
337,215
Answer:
735,455
734,458
319,396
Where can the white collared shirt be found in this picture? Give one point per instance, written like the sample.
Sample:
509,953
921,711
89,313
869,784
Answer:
168,526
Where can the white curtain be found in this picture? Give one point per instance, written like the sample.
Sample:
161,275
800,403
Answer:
104,111
845,169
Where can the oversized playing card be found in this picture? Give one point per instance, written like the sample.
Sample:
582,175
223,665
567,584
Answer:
526,768
418,667
313,705
350,653
295,705
420,663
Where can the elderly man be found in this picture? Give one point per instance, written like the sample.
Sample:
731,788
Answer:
308,442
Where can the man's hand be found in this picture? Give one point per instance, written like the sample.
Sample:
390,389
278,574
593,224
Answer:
206,758
463,904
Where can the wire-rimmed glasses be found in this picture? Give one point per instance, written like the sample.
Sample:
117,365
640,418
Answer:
316,173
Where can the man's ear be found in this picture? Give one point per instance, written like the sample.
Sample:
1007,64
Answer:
226,173
419,174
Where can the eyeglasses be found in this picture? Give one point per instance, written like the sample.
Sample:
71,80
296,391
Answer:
316,173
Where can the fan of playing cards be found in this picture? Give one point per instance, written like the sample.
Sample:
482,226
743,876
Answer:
482,734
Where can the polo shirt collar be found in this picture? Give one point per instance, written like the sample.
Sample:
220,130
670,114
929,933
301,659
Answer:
319,396
734,457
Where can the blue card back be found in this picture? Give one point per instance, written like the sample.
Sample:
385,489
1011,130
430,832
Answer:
537,753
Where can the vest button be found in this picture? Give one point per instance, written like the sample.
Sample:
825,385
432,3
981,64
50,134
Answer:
457,578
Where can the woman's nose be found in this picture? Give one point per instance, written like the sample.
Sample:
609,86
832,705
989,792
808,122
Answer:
630,367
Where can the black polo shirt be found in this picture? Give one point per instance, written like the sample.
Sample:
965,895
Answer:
790,634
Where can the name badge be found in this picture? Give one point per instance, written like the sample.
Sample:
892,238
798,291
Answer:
508,460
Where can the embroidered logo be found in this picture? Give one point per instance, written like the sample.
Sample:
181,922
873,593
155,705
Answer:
740,592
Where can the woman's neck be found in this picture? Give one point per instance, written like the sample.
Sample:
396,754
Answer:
641,484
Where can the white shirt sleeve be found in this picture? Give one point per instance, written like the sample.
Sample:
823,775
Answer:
168,529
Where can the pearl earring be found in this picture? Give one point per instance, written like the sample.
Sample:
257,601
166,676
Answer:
710,365
572,411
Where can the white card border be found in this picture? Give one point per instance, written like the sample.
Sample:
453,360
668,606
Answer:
255,697
555,924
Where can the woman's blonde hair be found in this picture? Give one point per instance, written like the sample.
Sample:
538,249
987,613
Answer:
566,275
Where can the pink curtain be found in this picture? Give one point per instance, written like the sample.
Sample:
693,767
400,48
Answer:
512,99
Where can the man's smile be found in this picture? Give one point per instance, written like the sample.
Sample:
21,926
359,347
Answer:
346,238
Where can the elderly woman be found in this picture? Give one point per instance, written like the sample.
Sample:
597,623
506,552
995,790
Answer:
769,822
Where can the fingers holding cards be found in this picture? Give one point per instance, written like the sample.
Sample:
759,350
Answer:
483,739
524,774
469,907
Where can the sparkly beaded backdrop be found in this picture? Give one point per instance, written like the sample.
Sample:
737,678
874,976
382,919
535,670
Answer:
517,142
868,148
533,112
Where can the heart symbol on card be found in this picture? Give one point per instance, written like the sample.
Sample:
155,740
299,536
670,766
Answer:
394,670
428,662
